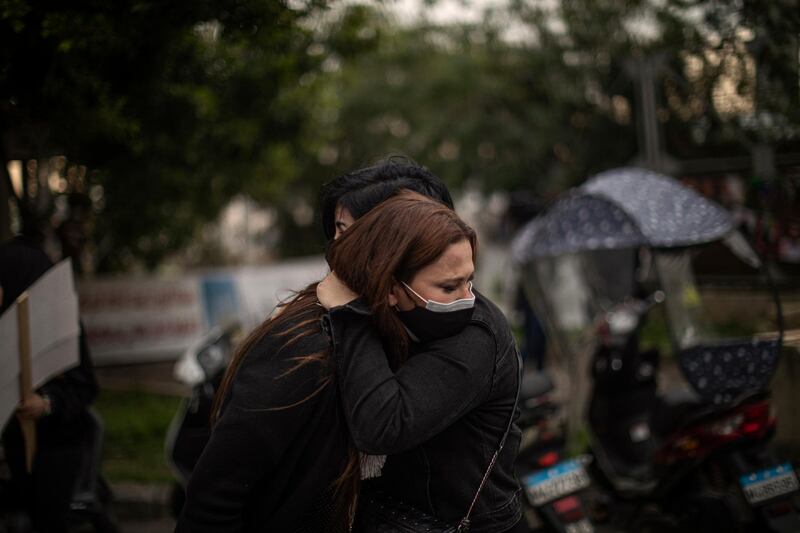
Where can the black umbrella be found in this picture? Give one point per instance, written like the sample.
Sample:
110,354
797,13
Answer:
623,208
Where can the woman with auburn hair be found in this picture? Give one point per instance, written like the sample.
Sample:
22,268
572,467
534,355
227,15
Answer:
280,457
427,368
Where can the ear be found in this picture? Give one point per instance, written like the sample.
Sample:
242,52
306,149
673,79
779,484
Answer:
393,301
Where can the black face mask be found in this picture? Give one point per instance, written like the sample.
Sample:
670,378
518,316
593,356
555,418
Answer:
437,320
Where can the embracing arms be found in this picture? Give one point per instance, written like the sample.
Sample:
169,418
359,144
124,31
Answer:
389,412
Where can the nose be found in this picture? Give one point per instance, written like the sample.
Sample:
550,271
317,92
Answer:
467,291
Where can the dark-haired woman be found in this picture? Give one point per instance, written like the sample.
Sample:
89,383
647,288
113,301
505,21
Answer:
280,457
426,378
350,196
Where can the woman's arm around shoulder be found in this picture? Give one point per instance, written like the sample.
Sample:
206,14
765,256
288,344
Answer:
389,412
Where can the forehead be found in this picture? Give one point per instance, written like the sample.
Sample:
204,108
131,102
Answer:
455,262
342,213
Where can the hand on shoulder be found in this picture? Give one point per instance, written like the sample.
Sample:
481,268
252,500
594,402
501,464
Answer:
332,292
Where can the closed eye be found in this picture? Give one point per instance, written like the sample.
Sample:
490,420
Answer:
453,288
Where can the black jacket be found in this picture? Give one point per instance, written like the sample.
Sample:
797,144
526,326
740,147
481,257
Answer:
265,469
440,417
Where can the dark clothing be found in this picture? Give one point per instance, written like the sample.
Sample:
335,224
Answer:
520,527
47,491
440,417
280,443
534,340
21,263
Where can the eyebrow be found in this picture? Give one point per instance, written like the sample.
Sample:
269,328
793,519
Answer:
459,280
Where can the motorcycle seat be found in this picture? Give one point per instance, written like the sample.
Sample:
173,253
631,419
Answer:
535,384
678,407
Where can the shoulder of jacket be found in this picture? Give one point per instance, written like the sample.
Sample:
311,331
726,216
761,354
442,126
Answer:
487,311
289,342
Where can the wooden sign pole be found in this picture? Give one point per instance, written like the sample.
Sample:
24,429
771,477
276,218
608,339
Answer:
25,376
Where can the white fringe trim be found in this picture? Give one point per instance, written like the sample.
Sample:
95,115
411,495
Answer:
371,465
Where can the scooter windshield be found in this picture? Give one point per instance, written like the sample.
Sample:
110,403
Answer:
568,292
723,319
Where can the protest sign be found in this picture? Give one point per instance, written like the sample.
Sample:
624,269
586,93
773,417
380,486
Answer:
38,340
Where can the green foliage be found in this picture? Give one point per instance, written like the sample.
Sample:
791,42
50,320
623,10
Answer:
173,110
135,428
655,333
470,105
544,110
176,107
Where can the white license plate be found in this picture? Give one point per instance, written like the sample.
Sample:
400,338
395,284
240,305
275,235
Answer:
581,526
769,483
562,479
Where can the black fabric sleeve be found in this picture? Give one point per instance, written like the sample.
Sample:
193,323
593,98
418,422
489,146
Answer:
390,412
265,410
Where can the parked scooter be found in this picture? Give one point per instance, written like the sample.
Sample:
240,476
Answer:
554,485
695,458
91,499
202,367
706,465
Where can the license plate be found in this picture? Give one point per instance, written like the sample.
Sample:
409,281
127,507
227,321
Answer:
581,526
562,479
769,483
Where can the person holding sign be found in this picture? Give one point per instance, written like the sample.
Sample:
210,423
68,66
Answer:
58,408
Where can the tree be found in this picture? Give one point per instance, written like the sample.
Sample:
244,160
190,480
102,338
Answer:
161,113
264,99
471,104
549,106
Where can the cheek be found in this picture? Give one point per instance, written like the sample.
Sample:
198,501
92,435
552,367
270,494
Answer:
403,302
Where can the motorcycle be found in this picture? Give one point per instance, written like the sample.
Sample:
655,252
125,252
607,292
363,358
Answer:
677,449
554,501
201,367
696,456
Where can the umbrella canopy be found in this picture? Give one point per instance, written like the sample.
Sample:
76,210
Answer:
623,208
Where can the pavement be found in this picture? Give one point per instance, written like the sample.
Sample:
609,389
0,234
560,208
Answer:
151,526
142,508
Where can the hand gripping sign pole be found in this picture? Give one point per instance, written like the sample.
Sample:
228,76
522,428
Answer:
26,376
39,339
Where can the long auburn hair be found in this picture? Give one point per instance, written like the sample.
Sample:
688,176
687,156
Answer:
391,243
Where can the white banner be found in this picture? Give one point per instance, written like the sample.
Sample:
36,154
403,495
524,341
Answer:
136,320
132,320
